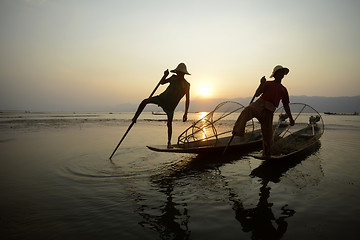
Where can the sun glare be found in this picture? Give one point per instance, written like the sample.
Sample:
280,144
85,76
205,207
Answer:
204,91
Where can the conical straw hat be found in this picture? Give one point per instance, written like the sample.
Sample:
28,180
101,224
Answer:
181,68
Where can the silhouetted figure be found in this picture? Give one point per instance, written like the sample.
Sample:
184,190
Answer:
169,99
261,220
263,108
171,218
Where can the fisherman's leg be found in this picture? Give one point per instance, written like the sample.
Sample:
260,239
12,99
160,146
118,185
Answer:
141,108
240,124
267,132
169,126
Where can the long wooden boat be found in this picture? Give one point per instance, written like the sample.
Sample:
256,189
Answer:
212,133
292,145
209,136
250,142
295,140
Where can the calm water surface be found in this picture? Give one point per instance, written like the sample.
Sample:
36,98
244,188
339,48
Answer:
57,183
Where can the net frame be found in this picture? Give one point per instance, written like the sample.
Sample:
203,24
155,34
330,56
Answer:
209,129
308,128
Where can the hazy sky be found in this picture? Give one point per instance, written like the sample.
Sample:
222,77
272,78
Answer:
69,54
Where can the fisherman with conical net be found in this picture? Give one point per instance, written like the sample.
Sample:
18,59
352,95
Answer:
263,109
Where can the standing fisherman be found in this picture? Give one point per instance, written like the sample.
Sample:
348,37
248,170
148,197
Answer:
169,99
263,109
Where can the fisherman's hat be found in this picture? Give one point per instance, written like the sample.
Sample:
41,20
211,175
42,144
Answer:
181,68
278,67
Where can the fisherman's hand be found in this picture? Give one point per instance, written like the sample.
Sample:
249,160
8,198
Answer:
292,122
185,117
263,80
166,73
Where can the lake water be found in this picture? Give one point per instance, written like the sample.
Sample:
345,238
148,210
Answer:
57,183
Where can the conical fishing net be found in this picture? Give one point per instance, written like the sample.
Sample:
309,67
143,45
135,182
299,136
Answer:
215,128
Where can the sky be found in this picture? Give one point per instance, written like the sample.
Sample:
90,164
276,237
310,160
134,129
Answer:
91,54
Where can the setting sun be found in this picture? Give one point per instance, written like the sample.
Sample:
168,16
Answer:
204,91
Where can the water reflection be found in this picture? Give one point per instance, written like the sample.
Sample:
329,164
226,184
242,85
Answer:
261,221
200,115
274,170
171,219
172,223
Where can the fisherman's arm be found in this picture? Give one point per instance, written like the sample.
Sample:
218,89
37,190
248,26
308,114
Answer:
260,89
288,112
163,79
187,104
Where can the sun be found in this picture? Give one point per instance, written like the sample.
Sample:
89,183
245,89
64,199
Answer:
204,91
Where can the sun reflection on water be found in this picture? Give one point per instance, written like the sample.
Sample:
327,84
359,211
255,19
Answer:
202,115
205,123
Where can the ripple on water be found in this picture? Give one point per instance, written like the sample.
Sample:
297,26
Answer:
92,167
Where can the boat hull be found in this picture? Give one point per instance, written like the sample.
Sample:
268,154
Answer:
306,151
293,145
240,147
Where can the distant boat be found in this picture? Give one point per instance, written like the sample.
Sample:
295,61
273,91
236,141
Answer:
333,113
158,113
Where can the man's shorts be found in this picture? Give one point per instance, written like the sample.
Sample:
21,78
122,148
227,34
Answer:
164,105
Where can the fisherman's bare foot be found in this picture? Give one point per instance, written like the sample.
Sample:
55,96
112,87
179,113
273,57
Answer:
170,146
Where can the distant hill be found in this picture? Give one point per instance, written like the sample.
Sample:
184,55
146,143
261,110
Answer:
331,104
321,104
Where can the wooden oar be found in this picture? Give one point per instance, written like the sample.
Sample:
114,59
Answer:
263,80
133,122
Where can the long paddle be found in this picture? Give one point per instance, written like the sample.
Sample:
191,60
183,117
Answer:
133,122
232,137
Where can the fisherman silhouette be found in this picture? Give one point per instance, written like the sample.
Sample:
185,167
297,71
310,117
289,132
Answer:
170,98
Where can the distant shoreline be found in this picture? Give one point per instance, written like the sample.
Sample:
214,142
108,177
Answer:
341,114
321,104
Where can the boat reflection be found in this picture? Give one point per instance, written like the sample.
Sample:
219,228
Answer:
274,170
171,218
260,220
173,222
